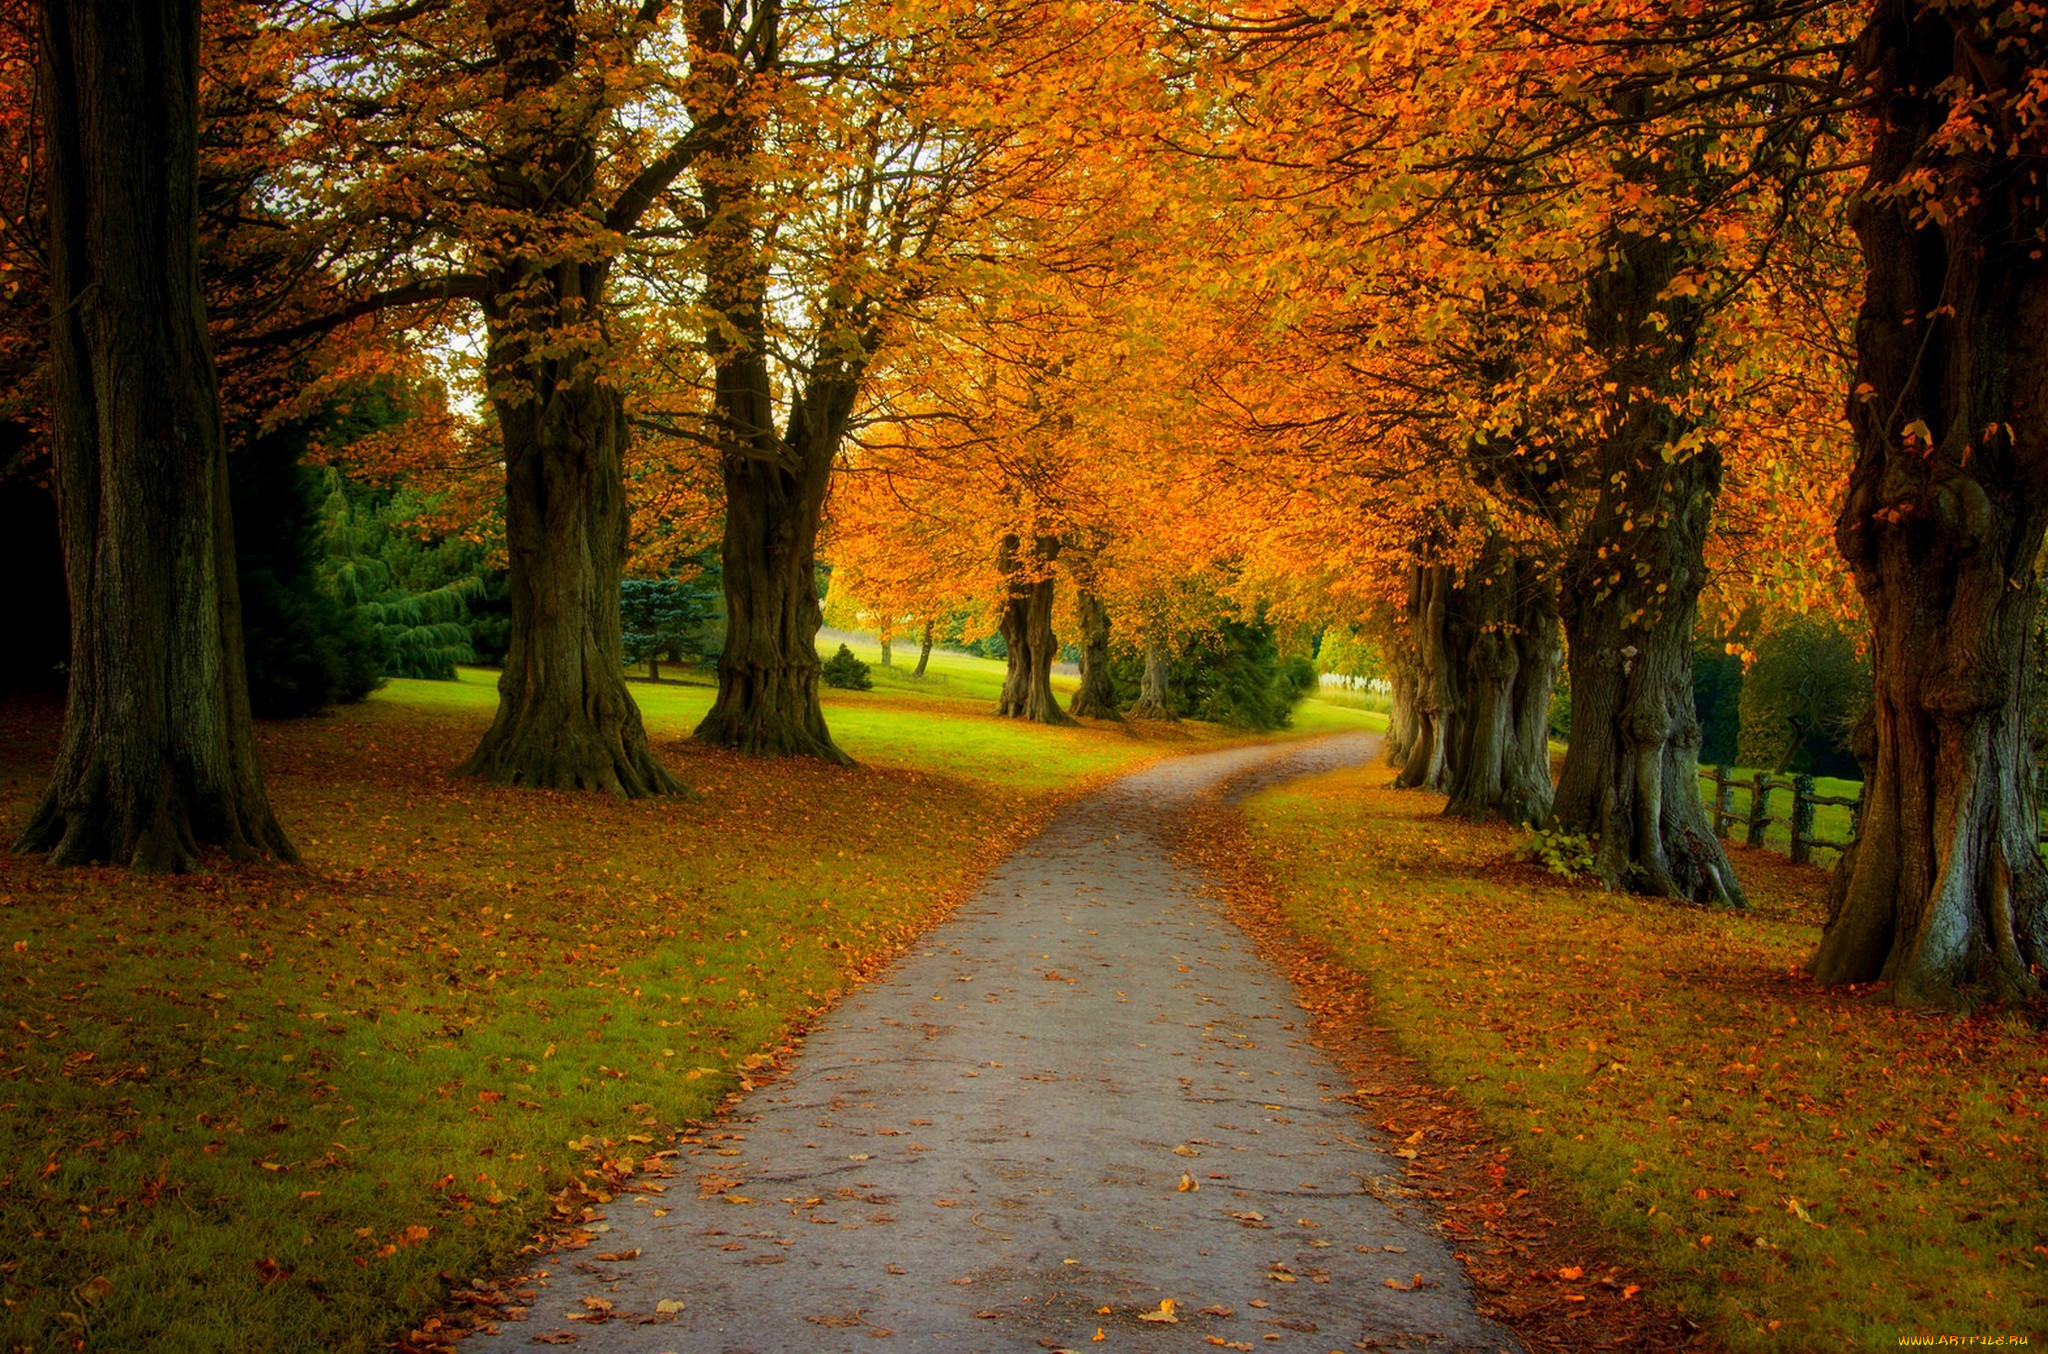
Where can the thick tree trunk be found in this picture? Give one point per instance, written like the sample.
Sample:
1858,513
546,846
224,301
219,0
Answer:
1435,694
1631,591
1096,696
768,670
566,720
1943,521
1154,700
1502,642
1027,633
157,757
886,640
1527,790
924,651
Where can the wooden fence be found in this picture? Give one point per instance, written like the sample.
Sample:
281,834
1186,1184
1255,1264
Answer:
1761,786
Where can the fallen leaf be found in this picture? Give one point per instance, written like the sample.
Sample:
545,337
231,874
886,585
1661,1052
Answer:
669,1306
1164,1314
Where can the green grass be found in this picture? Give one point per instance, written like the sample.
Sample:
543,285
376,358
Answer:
1806,1168
271,1109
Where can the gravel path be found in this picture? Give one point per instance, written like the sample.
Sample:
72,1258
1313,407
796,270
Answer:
1082,1096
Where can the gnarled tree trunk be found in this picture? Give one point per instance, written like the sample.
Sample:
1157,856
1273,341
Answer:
1502,642
566,720
768,670
1026,627
1944,517
158,756
1154,701
1434,699
1631,592
1527,790
1095,698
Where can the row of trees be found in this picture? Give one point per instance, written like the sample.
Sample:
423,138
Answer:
1508,336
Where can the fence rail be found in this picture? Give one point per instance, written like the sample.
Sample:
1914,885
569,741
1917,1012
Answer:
1761,786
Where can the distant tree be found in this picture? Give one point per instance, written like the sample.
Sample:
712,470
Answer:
1800,699
1231,674
663,618
1345,653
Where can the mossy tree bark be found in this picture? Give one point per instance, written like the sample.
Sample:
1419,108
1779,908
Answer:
1943,522
157,758
1095,698
1026,627
566,720
1630,595
1154,700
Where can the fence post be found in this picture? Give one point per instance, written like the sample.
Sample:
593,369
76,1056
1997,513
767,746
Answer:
1802,819
1759,806
1724,798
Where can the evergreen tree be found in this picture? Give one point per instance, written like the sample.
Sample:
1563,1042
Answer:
414,592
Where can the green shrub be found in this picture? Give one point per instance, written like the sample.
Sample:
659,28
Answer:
1564,854
845,671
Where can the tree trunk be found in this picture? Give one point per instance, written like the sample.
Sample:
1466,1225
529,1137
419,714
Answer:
1527,790
768,670
1943,521
158,755
1501,638
1631,591
1401,722
1096,696
1154,700
924,651
1027,633
1435,698
566,720
885,651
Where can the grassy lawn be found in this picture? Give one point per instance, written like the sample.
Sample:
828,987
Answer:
1807,1168
275,1109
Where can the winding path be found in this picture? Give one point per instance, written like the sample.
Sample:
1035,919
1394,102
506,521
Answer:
1084,1091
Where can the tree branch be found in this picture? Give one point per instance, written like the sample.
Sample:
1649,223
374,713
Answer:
458,286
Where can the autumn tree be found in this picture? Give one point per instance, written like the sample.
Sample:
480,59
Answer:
496,155
157,757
